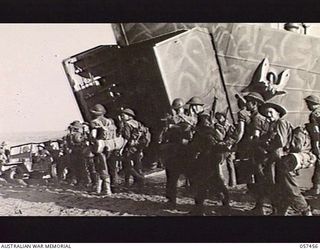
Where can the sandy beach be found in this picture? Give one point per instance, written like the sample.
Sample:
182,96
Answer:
63,200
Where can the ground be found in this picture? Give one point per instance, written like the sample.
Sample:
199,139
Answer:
53,200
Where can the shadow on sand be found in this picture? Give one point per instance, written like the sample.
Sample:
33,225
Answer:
147,201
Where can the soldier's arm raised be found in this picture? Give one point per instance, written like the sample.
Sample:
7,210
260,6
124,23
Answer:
239,131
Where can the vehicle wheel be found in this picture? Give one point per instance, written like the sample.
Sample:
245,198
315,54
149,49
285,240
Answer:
12,174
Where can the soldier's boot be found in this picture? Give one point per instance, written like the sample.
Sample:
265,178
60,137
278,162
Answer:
106,186
226,203
127,182
171,201
139,179
198,210
127,175
98,186
171,195
278,211
93,183
21,182
258,209
307,212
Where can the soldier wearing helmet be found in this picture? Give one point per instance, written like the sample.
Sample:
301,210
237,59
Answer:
102,128
133,131
174,121
175,135
77,174
196,107
208,147
313,104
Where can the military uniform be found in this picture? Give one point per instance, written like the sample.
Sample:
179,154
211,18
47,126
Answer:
249,149
243,116
102,129
278,167
174,150
254,122
193,115
206,175
300,156
63,161
77,170
133,151
106,130
226,132
277,146
314,119
178,126
43,161
55,156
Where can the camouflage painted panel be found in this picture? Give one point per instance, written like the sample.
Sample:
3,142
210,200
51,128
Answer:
241,47
188,66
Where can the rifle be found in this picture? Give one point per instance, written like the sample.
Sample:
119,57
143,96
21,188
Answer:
213,108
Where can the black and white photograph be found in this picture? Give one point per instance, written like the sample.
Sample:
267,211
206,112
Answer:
160,119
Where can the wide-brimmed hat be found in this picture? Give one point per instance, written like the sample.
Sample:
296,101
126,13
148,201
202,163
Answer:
195,100
255,96
98,109
240,98
129,112
312,98
280,109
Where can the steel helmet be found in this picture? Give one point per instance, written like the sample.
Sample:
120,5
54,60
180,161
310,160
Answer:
177,103
195,100
98,109
312,98
129,112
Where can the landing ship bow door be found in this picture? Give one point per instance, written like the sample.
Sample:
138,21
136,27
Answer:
188,67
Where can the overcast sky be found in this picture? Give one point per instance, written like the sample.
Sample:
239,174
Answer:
35,94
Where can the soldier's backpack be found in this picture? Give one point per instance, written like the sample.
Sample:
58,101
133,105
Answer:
145,136
106,128
140,134
300,141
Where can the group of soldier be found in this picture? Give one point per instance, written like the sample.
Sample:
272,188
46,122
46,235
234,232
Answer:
264,144
193,144
91,154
